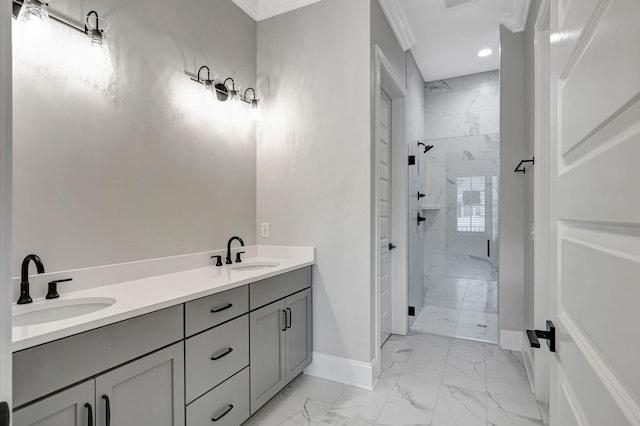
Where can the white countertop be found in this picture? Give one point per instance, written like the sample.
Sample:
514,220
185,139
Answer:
139,297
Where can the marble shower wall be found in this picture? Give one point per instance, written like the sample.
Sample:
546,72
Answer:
462,106
462,122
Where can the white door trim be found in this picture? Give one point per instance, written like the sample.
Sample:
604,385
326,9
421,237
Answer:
6,160
385,78
541,195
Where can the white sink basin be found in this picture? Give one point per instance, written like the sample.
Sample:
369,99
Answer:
253,266
44,311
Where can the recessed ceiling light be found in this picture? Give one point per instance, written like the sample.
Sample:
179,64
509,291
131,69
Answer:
485,52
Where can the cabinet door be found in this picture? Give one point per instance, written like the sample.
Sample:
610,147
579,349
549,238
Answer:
69,408
149,391
267,343
299,332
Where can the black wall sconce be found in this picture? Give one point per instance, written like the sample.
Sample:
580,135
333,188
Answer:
253,101
94,26
226,90
208,82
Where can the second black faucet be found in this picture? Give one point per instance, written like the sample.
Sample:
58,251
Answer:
228,260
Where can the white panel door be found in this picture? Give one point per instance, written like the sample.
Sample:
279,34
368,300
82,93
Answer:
384,182
595,212
5,204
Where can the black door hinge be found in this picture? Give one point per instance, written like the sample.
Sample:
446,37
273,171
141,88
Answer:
412,160
412,311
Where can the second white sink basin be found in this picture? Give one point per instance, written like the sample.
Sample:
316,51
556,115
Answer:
44,311
253,266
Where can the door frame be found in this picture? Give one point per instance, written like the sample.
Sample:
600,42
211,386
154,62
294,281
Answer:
6,173
541,194
385,78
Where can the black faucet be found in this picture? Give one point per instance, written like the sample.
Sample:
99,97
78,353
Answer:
24,282
229,262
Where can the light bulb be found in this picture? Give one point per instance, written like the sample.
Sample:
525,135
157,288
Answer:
98,57
34,20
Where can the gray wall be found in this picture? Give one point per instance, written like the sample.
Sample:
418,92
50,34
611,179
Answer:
529,152
512,200
314,160
5,201
139,167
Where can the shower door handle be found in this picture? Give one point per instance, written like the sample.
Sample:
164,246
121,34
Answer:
488,248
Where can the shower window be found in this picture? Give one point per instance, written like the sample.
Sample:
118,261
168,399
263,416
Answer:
471,204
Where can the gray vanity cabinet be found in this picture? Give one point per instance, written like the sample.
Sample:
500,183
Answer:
267,337
280,345
148,391
298,339
71,407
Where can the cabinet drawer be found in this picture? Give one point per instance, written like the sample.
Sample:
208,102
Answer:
228,403
266,291
212,310
229,343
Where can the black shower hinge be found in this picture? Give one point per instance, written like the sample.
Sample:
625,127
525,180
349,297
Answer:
412,160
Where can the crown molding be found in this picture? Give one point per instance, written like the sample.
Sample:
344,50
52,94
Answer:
399,23
270,8
249,6
264,9
516,19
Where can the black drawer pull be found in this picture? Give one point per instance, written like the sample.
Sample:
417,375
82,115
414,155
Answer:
229,408
222,308
222,355
90,414
107,406
284,325
289,311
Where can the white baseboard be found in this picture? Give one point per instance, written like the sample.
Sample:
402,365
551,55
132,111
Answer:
527,356
511,340
350,372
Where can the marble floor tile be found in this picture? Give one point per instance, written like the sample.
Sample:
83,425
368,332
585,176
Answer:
400,415
428,380
499,415
418,390
466,367
460,407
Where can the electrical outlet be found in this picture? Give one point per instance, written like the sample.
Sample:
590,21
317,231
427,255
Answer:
265,230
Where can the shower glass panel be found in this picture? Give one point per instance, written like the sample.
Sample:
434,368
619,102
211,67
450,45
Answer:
461,241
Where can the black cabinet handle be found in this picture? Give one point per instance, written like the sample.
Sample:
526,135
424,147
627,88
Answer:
284,326
89,414
221,308
107,408
222,355
221,415
289,311
488,248
5,414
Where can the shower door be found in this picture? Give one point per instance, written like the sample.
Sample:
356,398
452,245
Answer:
472,231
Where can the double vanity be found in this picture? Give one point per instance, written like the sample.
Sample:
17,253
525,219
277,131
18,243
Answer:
209,345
